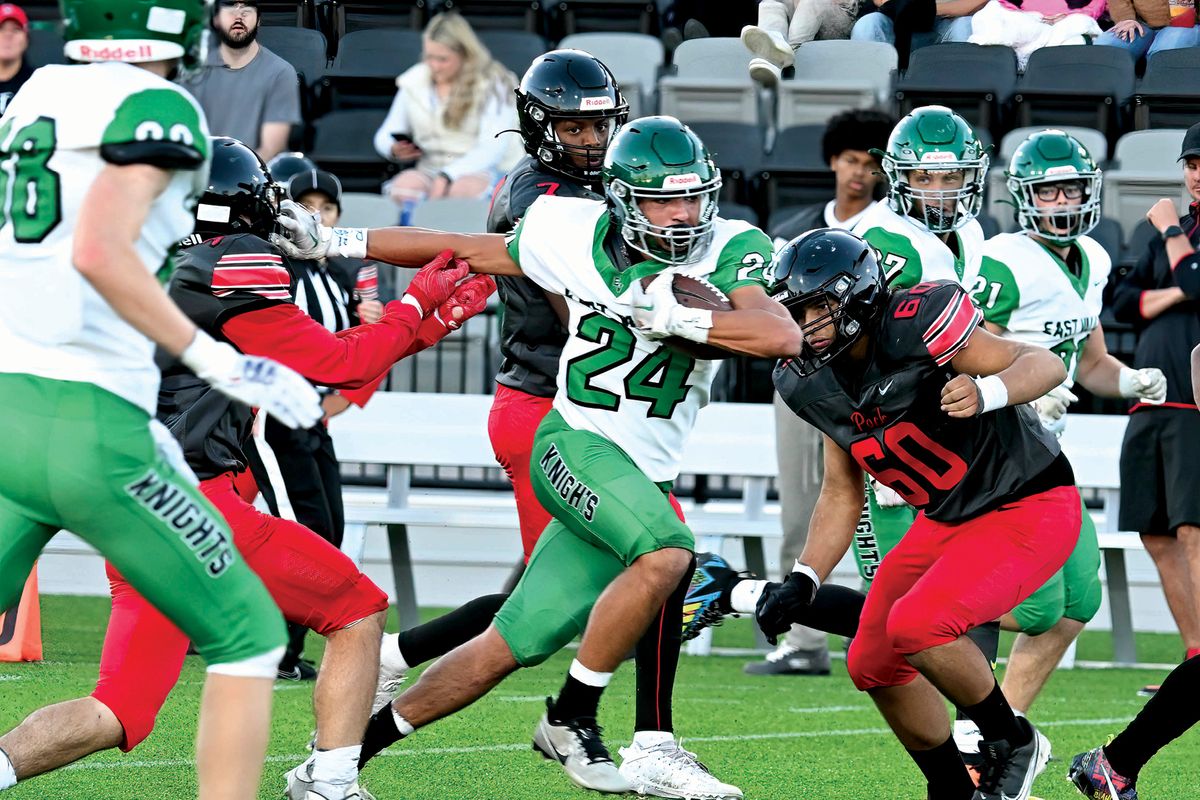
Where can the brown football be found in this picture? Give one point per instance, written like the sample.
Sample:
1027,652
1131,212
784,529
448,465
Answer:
696,293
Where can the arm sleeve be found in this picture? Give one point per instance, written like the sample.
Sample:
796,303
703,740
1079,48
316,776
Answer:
396,121
489,148
283,96
942,314
1126,301
350,359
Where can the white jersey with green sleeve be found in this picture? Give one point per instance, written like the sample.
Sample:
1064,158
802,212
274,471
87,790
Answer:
64,126
910,254
612,380
1026,289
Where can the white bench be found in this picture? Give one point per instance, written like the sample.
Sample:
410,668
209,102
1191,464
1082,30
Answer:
403,430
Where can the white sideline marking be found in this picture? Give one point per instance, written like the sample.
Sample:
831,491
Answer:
500,748
12,677
522,698
823,709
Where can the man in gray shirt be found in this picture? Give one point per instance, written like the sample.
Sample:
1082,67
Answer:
246,91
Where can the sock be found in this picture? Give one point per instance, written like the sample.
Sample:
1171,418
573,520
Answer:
648,739
944,771
337,766
1164,718
8,775
1192,652
996,719
987,638
383,729
580,695
658,660
391,660
295,646
439,636
743,597
835,610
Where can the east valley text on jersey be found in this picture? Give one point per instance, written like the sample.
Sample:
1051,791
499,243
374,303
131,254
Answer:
889,418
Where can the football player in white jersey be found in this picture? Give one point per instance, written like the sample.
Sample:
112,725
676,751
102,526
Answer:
101,164
606,455
1044,285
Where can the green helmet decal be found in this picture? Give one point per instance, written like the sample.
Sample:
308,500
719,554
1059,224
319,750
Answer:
934,140
137,31
1055,166
656,158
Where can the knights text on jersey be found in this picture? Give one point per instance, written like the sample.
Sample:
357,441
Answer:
532,337
889,418
637,392
1025,288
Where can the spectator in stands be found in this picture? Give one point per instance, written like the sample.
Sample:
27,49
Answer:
1145,27
951,23
1160,488
445,120
850,138
247,92
14,41
1028,25
784,25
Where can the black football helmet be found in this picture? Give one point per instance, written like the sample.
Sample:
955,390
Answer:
567,84
835,264
285,166
241,196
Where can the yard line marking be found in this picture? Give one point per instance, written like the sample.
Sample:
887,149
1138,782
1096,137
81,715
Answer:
522,698
824,709
500,748
12,677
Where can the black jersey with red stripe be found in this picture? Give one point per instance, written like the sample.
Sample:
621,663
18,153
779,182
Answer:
532,337
215,280
887,415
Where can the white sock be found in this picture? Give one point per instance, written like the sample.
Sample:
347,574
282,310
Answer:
404,726
743,598
339,765
8,775
648,739
390,660
588,677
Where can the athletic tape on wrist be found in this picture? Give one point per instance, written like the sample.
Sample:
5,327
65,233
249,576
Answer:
805,569
993,394
348,242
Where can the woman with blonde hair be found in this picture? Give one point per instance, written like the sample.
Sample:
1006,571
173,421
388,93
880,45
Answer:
445,118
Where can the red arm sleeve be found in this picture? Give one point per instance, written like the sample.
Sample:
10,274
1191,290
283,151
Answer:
351,359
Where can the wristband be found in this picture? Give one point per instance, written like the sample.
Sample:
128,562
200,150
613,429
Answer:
690,323
408,299
805,569
993,394
348,242
1172,230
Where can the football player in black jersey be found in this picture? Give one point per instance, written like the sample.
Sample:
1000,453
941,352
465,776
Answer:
910,388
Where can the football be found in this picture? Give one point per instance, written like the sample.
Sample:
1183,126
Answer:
696,293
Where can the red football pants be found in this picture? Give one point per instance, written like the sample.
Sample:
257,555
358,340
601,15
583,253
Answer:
943,579
513,421
311,581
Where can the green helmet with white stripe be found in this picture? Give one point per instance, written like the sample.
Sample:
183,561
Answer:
137,31
1055,186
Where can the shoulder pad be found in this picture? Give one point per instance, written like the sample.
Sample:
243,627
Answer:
935,318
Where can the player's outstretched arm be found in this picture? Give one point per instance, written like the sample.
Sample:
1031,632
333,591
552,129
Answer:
836,513
757,326
1103,374
1010,372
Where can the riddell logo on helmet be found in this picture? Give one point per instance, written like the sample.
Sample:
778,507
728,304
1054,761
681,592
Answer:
938,157
115,53
1062,170
681,181
597,102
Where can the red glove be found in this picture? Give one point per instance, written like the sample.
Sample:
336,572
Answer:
469,298
436,281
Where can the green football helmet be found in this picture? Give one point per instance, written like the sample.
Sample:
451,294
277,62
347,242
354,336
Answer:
1056,162
935,139
655,158
137,31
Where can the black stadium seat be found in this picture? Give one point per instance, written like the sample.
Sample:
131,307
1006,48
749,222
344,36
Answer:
975,80
1087,86
303,48
514,49
1169,94
513,15
794,172
364,73
346,16
588,16
343,145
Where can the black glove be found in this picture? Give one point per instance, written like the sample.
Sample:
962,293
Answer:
781,603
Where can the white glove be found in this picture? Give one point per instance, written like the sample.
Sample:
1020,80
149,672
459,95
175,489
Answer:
1051,409
255,381
169,451
1148,385
305,238
885,496
658,314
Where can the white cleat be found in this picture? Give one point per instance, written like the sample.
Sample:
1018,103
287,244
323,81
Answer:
387,688
576,744
667,770
301,786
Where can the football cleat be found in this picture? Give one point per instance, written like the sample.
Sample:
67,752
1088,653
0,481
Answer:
301,786
303,670
787,659
707,601
667,770
1095,778
1007,772
387,687
576,744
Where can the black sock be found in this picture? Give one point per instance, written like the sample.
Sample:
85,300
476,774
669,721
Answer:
1173,709
381,732
996,719
439,636
295,646
944,771
835,610
987,638
576,700
658,661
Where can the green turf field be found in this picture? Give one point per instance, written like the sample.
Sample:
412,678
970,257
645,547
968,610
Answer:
778,738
